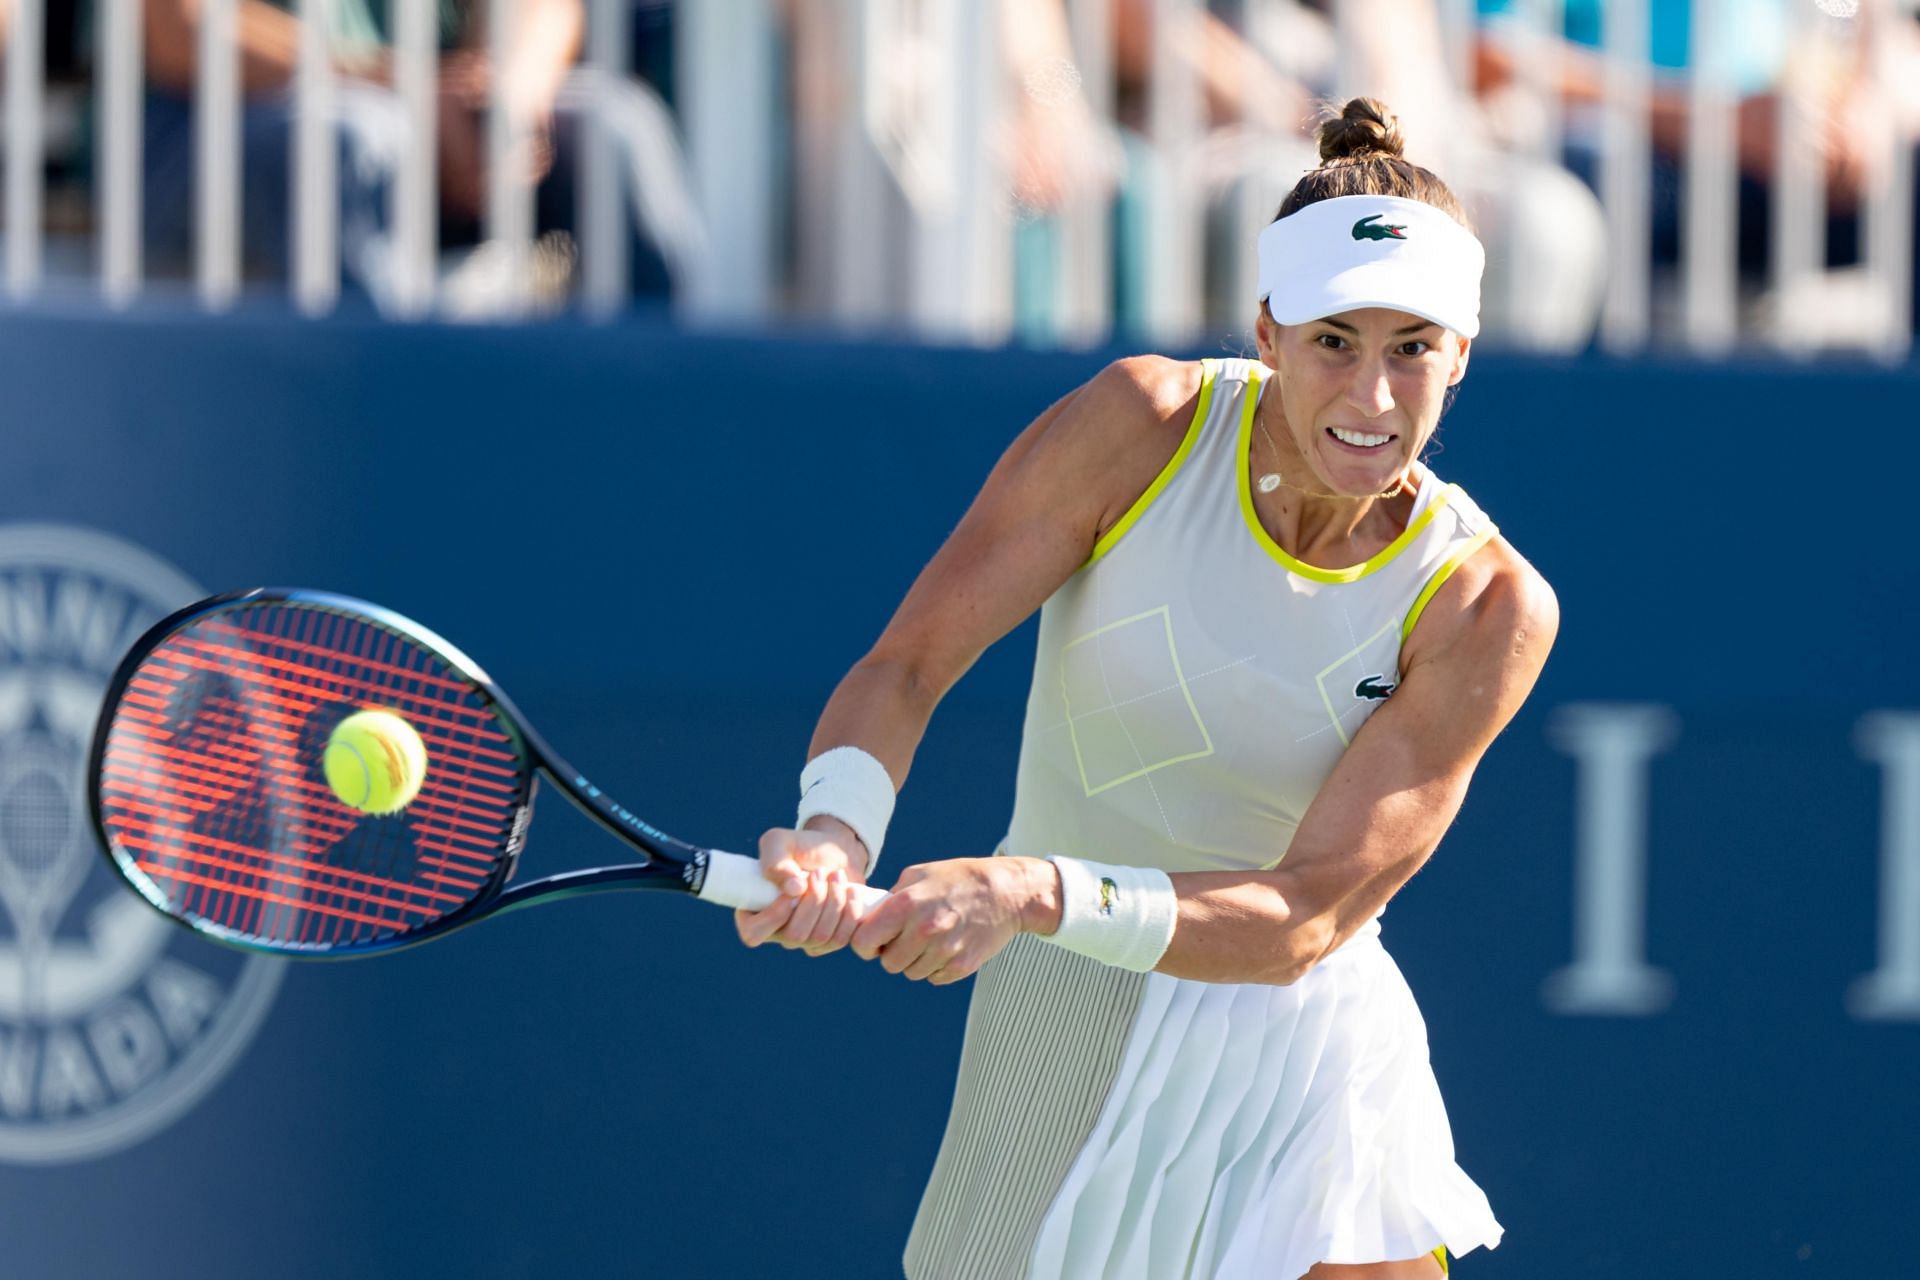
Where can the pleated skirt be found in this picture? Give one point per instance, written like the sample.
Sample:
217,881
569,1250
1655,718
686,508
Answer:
1140,1127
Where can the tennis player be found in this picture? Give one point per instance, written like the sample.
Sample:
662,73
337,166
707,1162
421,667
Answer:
1273,647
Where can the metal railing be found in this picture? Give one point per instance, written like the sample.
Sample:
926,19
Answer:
899,214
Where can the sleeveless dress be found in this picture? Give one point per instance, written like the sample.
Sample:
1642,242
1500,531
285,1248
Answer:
1193,687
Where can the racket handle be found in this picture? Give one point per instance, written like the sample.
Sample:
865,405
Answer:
735,881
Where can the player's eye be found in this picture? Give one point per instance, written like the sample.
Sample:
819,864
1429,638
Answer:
1415,348
1330,341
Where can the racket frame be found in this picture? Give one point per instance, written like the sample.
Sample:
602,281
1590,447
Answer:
669,864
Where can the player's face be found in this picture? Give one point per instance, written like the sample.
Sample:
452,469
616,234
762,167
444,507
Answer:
1360,392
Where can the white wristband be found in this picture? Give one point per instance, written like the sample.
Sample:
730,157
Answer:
1122,916
848,784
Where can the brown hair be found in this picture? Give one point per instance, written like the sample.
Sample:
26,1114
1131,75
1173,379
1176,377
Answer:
1361,155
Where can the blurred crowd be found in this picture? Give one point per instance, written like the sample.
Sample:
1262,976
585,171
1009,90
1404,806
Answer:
1470,103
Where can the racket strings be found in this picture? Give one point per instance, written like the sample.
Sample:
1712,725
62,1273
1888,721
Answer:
212,782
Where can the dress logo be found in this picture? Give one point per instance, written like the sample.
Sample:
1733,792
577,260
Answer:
113,1022
1374,688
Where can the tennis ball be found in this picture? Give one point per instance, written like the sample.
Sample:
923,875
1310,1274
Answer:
375,762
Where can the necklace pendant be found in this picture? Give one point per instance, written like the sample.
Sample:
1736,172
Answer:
1268,482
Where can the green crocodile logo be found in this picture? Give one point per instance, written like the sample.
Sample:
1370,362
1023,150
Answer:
1365,229
1374,688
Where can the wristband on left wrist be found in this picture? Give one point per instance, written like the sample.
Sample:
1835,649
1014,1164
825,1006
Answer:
851,785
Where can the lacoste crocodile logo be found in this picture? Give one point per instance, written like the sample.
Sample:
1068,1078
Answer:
1374,688
1366,229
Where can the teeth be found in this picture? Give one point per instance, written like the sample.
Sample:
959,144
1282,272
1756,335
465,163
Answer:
1360,438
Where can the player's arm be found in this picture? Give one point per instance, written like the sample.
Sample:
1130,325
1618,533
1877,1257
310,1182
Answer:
1046,502
1063,482
1471,662
1394,792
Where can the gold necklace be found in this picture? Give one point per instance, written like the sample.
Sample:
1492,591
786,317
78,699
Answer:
1271,480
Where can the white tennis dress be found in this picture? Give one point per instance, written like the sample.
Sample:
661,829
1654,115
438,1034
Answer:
1194,685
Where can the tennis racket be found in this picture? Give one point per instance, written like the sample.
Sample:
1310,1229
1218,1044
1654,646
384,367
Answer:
206,786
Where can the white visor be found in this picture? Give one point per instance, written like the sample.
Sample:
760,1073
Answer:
1372,251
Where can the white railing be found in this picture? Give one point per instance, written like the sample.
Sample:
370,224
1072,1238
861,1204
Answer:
1709,241
23,142
117,175
895,142
216,175
1626,154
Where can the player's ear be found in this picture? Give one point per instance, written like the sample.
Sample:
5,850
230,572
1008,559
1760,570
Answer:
1462,350
1266,334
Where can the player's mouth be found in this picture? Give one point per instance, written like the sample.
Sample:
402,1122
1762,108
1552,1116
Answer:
1360,441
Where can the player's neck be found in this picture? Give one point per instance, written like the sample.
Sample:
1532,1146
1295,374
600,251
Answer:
1329,532
1301,513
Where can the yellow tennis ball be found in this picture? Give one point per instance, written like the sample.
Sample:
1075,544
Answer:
375,762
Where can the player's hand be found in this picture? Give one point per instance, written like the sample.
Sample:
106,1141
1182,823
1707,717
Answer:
946,919
816,870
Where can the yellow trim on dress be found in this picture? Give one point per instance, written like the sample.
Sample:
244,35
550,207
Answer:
1441,1253
1208,371
1352,573
1440,576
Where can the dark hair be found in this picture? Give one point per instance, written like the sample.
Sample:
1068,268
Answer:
1361,155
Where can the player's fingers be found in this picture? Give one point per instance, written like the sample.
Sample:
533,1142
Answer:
835,904
817,938
951,973
806,913
755,927
849,921
897,955
964,965
880,927
932,960
909,941
779,861
839,919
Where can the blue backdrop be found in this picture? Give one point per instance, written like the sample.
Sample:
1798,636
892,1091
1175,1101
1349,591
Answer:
668,548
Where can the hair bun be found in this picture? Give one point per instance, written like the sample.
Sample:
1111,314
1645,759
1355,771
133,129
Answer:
1364,127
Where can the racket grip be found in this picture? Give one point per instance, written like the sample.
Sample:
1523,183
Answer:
735,881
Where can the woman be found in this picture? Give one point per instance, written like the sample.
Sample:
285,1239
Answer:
1272,650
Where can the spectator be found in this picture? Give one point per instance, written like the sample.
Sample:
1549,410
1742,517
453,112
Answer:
1859,115
1543,290
1257,104
855,207
371,127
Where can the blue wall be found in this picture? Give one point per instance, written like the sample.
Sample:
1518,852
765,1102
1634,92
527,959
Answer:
668,548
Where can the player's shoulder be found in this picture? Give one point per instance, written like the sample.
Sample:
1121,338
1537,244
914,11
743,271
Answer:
1117,431
1143,390
1496,604
1126,419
